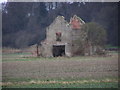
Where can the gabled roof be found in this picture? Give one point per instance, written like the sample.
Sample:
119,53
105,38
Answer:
62,18
76,17
76,22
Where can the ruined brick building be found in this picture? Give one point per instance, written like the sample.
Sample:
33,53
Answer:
61,38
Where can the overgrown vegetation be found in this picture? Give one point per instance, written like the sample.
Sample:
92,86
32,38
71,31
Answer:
92,34
96,33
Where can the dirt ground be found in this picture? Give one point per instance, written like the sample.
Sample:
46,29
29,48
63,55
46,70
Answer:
93,68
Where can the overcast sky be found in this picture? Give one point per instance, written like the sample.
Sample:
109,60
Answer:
3,1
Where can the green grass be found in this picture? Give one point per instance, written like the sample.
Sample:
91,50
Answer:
87,85
110,46
65,58
110,82
8,79
22,57
65,84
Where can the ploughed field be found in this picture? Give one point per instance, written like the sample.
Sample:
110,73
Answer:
75,72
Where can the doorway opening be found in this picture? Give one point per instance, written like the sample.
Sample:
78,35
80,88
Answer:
58,50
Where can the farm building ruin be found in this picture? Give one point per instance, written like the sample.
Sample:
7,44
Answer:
61,38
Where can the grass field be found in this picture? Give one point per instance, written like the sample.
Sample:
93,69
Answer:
60,72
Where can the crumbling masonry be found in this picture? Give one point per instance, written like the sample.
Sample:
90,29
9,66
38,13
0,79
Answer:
61,38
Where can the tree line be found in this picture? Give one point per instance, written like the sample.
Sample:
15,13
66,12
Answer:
24,23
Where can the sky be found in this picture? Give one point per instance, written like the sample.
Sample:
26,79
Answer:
3,1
